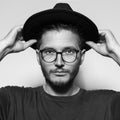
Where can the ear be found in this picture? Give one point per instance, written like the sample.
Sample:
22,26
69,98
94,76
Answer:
38,56
82,56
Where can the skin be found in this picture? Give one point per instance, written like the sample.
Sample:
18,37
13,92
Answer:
13,42
55,39
108,46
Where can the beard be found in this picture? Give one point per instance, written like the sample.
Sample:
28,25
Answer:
60,87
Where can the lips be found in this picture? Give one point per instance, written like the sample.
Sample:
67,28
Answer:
60,73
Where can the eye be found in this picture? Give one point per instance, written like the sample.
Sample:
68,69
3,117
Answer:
48,51
69,51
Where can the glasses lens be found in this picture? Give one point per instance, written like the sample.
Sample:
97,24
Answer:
49,55
69,55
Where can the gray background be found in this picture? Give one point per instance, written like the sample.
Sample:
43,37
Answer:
22,69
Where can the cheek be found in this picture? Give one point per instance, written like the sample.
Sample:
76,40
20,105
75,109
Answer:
45,67
75,67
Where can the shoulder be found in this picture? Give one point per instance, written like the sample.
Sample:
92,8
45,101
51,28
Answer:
13,97
100,93
16,91
100,96
15,94
107,99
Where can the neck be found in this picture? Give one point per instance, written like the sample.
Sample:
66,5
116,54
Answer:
72,91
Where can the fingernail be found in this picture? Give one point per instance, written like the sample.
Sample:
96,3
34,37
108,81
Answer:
88,42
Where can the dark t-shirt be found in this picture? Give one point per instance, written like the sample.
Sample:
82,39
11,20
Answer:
18,103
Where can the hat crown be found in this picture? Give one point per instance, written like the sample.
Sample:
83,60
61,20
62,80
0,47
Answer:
60,13
63,6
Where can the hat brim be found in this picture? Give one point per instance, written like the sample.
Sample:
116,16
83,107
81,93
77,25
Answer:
37,21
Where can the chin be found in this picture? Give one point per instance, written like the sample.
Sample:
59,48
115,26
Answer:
59,79
60,85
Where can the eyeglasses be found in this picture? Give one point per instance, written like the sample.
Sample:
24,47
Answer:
68,55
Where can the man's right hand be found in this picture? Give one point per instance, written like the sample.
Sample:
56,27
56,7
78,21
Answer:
14,42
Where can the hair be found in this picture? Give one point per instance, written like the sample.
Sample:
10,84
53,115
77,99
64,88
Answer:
59,27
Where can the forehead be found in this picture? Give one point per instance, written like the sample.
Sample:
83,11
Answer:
59,39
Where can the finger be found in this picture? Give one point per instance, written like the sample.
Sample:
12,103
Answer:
13,33
92,45
104,30
108,35
103,34
29,43
102,38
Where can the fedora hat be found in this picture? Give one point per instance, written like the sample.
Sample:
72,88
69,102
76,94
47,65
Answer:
61,13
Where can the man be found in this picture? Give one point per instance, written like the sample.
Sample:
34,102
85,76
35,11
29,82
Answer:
60,37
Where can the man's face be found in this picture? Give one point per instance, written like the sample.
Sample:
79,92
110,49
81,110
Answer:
60,74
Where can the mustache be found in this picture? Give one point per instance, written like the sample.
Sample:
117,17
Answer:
59,71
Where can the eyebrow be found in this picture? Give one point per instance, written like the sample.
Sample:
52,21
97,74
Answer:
68,47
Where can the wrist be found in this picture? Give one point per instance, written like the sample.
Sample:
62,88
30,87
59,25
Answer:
116,54
4,49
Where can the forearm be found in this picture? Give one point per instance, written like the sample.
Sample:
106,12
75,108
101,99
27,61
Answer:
115,55
4,50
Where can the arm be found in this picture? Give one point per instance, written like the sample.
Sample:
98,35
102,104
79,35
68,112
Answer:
14,42
4,104
108,46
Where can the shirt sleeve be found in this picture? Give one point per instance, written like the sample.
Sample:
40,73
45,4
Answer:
113,109
4,104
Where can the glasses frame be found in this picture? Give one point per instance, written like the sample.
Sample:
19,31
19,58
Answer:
61,53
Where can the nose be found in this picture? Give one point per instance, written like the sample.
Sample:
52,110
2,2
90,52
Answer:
59,62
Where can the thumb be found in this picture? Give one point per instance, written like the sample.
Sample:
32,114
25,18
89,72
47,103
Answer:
95,46
29,43
91,44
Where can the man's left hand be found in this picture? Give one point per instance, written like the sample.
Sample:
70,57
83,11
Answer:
107,46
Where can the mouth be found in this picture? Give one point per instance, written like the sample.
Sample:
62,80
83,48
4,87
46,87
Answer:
60,73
